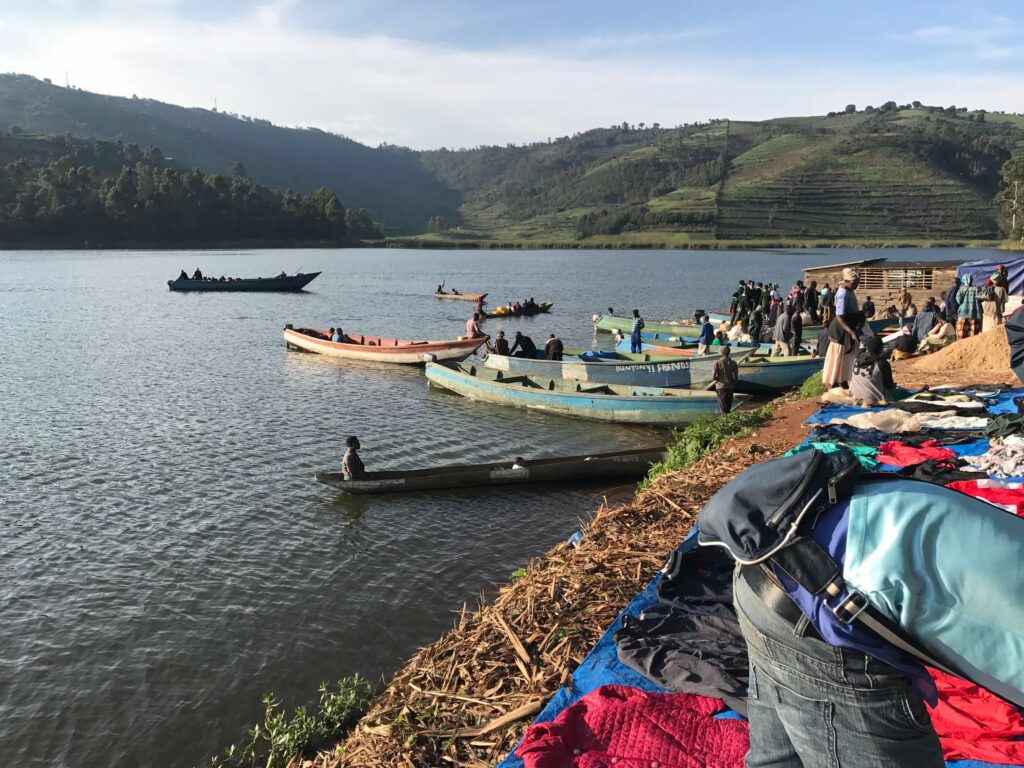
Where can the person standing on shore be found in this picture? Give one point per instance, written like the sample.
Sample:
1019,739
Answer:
950,305
993,304
707,336
844,334
756,326
797,327
905,300
635,343
811,301
968,309
869,309
725,373
827,304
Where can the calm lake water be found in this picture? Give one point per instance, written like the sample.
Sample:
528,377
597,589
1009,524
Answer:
166,558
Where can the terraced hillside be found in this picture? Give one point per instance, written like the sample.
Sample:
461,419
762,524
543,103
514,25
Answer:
920,173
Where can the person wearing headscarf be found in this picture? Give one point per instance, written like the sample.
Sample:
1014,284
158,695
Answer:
844,333
993,304
1000,278
906,344
871,382
968,309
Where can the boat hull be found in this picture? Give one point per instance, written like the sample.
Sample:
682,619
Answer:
377,350
680,372
601,467
460,296
760,375
289,284
602,402
540,308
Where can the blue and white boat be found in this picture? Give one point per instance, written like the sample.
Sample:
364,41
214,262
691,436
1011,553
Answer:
616,368
585,400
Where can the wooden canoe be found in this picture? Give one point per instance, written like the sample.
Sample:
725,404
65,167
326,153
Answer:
688,331
630,370
460,296
540,308
288,284
620,465
379,350
763,374
600,402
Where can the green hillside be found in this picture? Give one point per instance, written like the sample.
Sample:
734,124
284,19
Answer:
892,174
390,182
895,173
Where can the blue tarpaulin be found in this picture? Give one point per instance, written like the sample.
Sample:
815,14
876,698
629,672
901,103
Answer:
980,271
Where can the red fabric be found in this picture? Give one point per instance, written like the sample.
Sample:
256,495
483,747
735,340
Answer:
974,724
896,454
1010,496
636,728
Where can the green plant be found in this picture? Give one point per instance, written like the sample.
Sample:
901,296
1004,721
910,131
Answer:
703,436
812,387
274,742
518,573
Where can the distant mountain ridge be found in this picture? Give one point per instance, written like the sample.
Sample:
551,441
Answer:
895,172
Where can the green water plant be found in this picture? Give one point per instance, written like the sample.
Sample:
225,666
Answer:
276,741
704,435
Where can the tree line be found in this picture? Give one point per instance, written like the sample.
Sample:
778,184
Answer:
74,202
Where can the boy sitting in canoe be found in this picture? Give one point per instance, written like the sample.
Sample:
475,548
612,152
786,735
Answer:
351,465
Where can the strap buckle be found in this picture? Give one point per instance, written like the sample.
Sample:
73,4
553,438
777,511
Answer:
850,607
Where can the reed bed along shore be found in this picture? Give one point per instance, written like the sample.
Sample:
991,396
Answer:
465,699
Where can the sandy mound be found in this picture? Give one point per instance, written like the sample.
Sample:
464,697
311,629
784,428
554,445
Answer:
988,351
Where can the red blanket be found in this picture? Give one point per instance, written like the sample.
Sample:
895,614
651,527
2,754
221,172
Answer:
632,728
974,724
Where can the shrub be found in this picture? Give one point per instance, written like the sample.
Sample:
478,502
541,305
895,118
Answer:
704,435
812,387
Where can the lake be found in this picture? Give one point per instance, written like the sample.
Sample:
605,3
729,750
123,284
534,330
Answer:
166,557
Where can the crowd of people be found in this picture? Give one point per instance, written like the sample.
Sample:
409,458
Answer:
522,345
198,275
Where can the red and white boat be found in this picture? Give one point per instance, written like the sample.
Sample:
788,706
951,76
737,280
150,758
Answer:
379,350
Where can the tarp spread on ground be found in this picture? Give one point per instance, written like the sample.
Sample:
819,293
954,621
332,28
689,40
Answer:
996,733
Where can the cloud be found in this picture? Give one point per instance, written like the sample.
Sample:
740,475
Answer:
424,95
986,42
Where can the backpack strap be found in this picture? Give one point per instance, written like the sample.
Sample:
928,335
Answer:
813,569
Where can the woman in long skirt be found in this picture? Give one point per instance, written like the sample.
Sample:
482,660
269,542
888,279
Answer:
844,334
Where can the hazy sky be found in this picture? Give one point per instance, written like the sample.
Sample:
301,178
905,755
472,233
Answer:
461,72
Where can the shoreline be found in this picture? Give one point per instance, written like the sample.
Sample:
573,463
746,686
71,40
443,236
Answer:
465,699
414,243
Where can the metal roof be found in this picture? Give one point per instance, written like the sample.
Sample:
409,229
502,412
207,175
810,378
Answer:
861,263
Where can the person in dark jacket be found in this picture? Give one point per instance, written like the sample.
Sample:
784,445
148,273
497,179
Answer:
501,344
725,374
755,326
811,300
869,308
197,275
525,346
797,340
553,348
951,304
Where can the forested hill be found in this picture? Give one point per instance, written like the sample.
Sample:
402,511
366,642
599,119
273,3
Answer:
895,172
61,191
390,182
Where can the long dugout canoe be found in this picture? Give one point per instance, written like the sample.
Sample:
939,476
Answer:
379,350
763,374
624,324
677,372
460,296
287,284
600,402
619,465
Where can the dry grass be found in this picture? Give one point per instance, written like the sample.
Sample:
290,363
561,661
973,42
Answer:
465,699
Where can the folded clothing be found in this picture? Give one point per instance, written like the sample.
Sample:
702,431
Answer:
897,454
1009,496
618,724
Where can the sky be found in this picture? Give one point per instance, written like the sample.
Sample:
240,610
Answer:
459,73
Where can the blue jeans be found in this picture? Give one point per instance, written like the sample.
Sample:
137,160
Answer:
815,706
635,344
